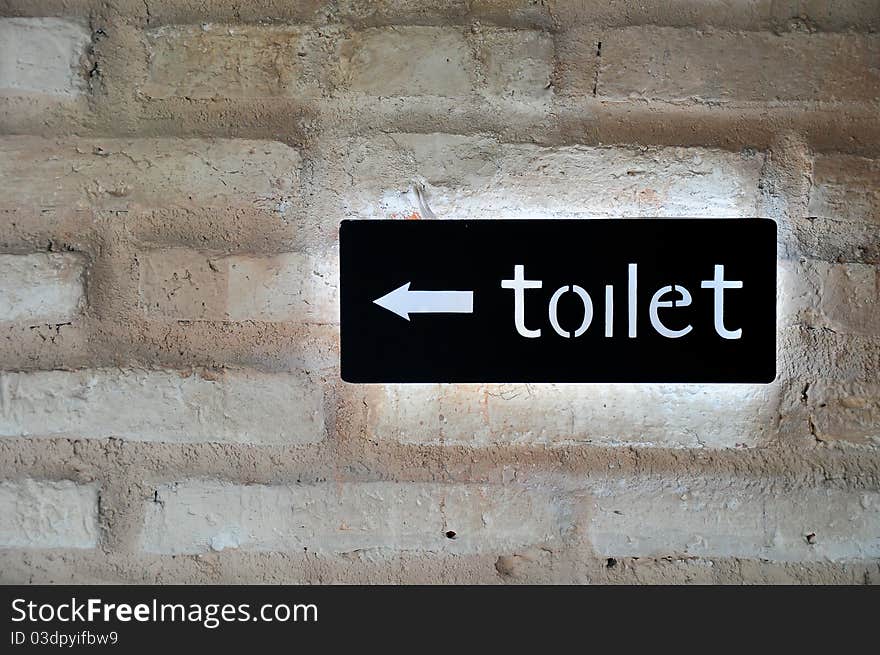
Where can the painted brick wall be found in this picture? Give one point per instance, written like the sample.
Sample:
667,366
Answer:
173,177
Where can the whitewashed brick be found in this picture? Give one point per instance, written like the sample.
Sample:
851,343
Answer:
233,61
838,297
695,518
753,15
808,353
258,61
164,12
44,514
845,188
227,407
42,55
409,61
197,516
672,64
669,415
518,64
187,284
829,239
473,177
79,173
41,287
844,411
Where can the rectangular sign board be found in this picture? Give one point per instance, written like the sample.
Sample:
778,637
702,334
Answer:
620,300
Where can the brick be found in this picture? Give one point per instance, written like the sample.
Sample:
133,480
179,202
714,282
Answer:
834,240
808,353
161,12
826,14
180,283
496,63
845,188
231,406
838,297
403,12
197,516
518,64
848,411
223,229
409,61
684,64
849,298
42,56
41,287
693,518
121,173
668,415
233,61
512,12
754,15
44,514
190,285
467,177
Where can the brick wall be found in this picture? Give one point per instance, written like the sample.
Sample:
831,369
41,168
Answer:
173,177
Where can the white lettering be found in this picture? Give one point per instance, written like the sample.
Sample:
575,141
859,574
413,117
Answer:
719,284
657,303
588,311
519,284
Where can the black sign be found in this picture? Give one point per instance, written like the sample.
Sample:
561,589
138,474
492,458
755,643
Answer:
623,300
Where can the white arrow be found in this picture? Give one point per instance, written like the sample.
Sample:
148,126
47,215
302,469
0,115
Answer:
404,302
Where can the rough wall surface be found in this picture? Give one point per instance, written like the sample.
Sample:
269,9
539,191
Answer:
173,177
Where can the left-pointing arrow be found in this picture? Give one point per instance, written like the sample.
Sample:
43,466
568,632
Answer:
404,302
